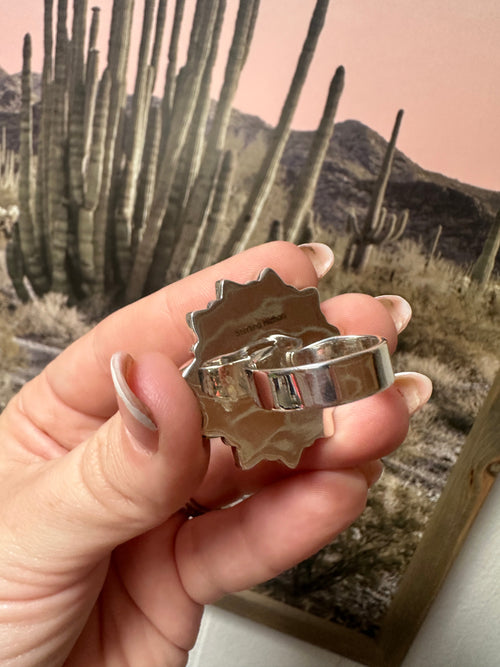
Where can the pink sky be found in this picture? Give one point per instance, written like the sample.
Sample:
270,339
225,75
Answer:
439,60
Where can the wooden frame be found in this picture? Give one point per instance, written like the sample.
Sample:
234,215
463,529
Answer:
468,485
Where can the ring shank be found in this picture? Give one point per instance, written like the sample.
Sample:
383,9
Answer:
330,372
336,371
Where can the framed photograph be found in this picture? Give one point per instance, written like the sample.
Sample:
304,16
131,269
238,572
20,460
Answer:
162,139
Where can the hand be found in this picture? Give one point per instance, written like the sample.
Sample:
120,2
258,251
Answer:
99,564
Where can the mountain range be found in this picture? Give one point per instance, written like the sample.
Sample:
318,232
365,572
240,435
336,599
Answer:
353,160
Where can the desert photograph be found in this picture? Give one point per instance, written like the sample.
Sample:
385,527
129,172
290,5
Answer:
143,141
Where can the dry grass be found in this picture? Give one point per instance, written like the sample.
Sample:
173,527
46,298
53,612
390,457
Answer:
49,320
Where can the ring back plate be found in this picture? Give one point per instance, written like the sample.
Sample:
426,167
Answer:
243,315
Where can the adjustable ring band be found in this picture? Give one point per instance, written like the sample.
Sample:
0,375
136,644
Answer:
327,373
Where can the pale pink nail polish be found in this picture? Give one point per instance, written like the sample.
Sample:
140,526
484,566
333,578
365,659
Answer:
415,388
137,418
320,255
398,308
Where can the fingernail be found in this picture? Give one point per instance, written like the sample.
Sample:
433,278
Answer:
415,388
399,309
373,471
320,255
136,416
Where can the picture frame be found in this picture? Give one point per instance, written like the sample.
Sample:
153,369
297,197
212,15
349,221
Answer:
468,485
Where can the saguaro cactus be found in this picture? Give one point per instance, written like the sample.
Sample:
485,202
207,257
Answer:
303,193
377,227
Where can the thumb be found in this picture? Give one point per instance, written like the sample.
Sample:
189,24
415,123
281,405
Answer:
140,467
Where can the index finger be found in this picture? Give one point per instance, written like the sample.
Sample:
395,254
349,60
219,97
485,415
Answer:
80,376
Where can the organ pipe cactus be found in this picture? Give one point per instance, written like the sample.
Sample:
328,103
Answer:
196,212
179,125
126,199
377,227
386,229
29,241
212,235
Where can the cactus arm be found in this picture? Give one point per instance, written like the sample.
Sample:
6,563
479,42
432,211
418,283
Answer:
303,193
377,227
201,57
76,88
432,253
195,214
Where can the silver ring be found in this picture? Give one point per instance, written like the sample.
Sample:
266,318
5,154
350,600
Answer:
280,374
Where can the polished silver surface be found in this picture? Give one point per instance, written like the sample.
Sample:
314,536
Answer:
268,367
281,374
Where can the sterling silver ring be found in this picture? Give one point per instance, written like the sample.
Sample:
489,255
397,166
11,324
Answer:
268,367
278,373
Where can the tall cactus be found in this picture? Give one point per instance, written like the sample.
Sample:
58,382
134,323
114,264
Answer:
303,193
57,189
483,268
42,176
93,180
377,227
119,43
196,211
211,235
115,190
140,112
29,242
386,229
179,125
244,229
8,161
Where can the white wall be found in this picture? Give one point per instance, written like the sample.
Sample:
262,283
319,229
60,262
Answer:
461,630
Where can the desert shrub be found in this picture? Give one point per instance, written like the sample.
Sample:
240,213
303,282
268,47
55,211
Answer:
50,320
10,357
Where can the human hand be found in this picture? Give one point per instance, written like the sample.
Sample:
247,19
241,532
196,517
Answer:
99,564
